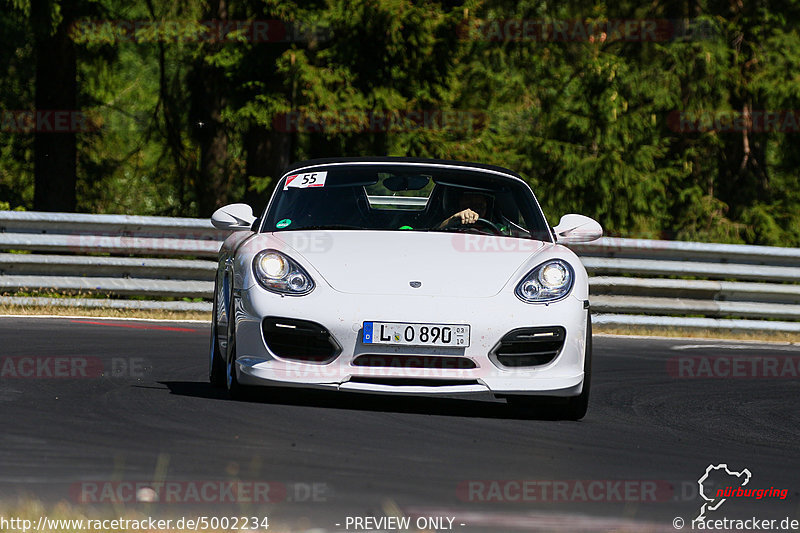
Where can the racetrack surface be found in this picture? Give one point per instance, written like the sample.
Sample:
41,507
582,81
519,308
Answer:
145,413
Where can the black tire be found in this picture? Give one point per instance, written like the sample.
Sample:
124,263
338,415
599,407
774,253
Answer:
556,408
216,366
231,382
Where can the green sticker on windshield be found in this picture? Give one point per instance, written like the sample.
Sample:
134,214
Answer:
406,227
283,223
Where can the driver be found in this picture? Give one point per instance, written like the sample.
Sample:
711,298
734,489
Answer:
472,206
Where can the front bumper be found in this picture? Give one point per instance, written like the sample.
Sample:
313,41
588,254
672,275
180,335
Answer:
343,316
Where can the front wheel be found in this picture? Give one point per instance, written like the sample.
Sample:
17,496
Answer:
236,390
216,366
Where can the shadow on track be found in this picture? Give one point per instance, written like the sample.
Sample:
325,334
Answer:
427,405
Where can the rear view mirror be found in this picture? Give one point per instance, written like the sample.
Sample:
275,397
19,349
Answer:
573,229
233,217
406,183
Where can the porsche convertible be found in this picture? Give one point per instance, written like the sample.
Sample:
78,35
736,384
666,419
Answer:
406,276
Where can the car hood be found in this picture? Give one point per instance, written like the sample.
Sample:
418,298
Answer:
387,262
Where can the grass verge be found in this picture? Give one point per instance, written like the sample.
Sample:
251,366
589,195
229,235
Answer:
55,310
698,333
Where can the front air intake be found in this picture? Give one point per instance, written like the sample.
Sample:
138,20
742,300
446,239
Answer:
526,347
414,382
299,340
414,361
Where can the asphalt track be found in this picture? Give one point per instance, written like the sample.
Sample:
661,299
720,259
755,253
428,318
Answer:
144,413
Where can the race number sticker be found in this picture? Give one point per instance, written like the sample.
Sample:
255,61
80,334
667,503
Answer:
308,179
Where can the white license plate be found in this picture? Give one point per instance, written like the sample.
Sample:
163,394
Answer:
402,333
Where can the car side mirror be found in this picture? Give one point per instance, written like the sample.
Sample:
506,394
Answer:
233,217
573,229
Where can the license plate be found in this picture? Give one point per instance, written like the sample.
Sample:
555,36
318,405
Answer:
416,334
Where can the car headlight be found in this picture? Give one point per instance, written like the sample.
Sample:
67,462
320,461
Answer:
548,282
278,273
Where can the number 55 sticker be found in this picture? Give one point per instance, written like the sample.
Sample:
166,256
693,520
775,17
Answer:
309,179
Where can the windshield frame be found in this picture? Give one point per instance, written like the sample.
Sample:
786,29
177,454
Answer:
495,172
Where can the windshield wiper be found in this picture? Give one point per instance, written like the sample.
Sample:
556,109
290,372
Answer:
323,227
463,229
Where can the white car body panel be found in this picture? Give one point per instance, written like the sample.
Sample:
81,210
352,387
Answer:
390,298
383,262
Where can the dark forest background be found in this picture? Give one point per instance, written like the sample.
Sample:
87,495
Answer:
660,119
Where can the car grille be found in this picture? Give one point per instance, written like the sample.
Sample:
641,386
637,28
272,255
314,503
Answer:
414,361
299,340
414,382
525,347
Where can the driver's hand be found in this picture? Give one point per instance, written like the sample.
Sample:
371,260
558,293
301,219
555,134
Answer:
467,216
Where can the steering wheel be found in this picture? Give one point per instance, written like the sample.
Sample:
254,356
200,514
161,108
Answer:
487,225
490,225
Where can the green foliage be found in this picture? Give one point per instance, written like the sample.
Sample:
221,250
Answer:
16,94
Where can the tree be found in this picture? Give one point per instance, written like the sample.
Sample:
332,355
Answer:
55,152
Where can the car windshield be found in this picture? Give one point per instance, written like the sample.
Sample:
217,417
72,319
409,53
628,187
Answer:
405,198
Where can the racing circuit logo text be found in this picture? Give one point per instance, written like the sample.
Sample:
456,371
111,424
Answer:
197,491
563,491
738,492
732,487
730,366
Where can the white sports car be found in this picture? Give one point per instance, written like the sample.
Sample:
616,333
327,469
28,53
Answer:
397,275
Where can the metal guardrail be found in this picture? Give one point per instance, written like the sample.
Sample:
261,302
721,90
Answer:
633,281
118,234
689,251
153,257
